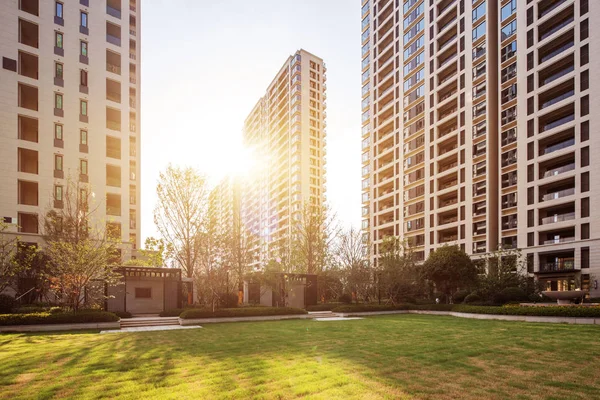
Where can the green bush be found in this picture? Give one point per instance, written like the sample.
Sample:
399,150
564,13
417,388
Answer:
240,312
472,298
345,298
175,312
552,311
7,303
60,318
37,309
459,296
323,307
123,314
350,308
514,294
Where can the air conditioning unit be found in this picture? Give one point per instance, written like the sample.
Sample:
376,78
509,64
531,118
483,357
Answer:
10,220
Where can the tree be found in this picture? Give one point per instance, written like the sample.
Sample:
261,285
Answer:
398,276
78,246
350,255
211,276
10,266
181,214
239,252
504,268
155,253
314,230
450,269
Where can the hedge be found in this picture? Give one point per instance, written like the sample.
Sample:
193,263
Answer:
60,318
174,312
123,314
323,307
551,311
240,312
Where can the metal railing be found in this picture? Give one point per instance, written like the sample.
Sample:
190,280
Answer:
557,218
559,194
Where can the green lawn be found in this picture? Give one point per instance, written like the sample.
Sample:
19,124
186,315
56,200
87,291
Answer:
402,356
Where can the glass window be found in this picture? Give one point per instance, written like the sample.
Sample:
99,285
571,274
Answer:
58,131
508,30
58,162
84,19
365,21
84,48
479,31
83,75
365,49
366,61
58,70
84,107
83,167
59,40
58,101
365,75
508,51
83,137
59,9
366,88
508,10
479,51
58,193
479,11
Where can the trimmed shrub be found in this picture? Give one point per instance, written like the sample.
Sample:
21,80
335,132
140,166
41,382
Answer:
553,311
60,318
350,308
472,298
37,309
459,296
323,307
345,298
240,312
514,294
175,312
123,314
7,303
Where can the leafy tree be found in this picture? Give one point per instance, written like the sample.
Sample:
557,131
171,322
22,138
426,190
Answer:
450,269
78,246
10,266
503,268
350,255
181,214
397,272
155,253
314,229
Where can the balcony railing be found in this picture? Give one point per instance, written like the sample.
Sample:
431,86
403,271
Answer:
448,202
557,99
558,218
557,51
558,74
560,240
449,238
559,194
116,69
448,184
549,9
564,265
556,28
558,122
559,170
559,146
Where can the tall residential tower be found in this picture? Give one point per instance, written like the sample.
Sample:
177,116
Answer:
70,108
476,130
286,134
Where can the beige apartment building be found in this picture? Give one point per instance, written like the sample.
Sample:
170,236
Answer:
70,109
224,204
476,130
286,134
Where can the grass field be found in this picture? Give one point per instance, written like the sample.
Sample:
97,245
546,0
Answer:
403,356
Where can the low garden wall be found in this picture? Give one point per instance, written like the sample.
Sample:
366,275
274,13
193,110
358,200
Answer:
62,321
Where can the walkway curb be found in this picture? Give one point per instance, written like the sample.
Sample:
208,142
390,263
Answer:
198,321
518,318
60,327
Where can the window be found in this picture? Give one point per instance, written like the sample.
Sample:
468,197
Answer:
84,48
58,42
479,11
83,137
508,30
58,131
508,51
508,10
83,77
58,9
478,51
58,162
58,70
84,19
143,293
83,167
83,107
479,31
58,101
58,193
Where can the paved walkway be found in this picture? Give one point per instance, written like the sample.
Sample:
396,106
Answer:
151,328
336,319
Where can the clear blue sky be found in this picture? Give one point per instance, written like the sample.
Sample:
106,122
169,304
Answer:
206,63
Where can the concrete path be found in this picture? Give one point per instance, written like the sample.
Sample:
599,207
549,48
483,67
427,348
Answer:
336,319
151,328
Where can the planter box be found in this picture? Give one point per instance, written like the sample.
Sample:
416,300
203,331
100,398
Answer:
60,327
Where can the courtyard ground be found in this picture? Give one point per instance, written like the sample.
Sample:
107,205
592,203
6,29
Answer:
400,356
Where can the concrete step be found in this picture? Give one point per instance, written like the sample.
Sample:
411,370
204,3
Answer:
152,321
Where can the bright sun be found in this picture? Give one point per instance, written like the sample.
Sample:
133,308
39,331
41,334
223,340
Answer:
240,162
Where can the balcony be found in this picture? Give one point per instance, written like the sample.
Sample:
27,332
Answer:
479,247
557,70
556,47
113,8
546,7
559,170
28,33
558,194
558,146
552,219
557,118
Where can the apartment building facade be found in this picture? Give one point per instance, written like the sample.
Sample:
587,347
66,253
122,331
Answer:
285,133
70,110
224,204
476,130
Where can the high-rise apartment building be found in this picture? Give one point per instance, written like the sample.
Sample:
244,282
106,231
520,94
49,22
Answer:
476,130
70,109
286,134
224,204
